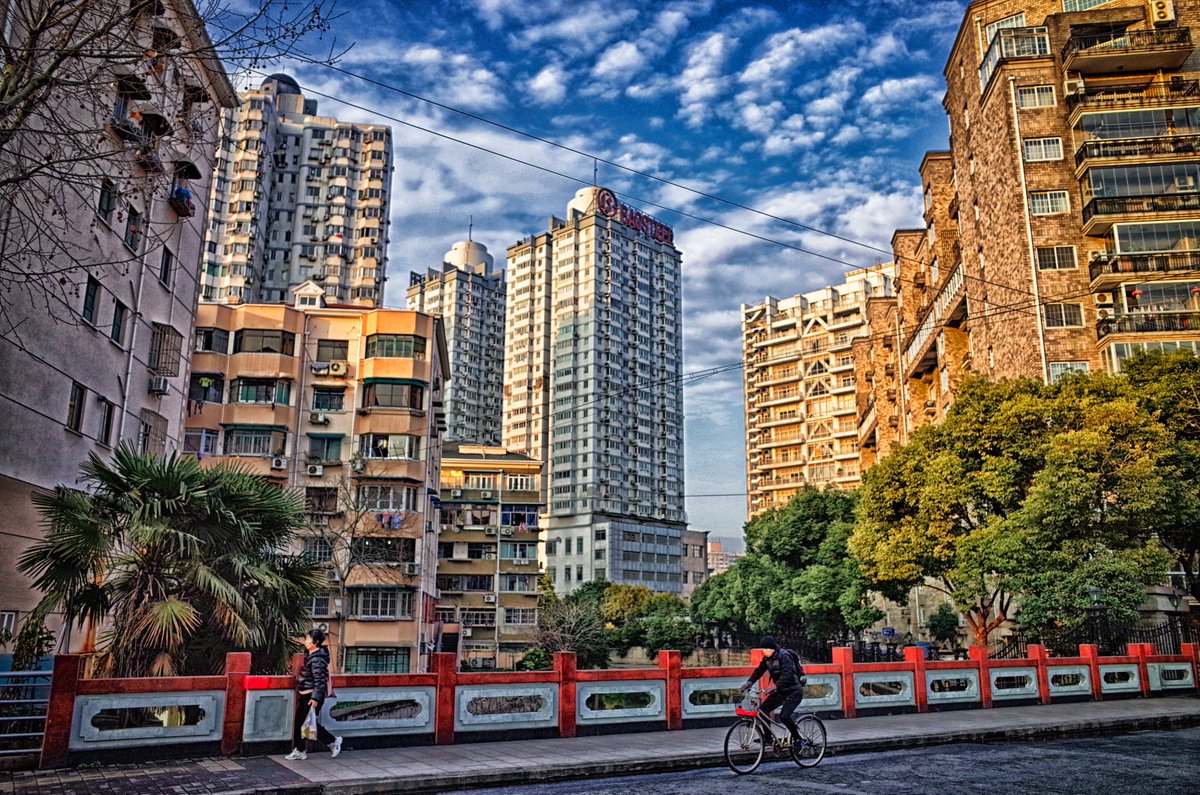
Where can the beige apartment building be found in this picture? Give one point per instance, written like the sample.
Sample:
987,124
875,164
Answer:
98,359
799,381
488,554
298,197
344,404
695,561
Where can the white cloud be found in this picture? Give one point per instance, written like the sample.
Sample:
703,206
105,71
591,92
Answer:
549,86
620,62
893,92
702,81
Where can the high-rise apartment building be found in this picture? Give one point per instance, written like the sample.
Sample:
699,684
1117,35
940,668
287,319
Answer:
592,387
92,353
298,197
488,554
1062,228
799,381
468,294
344,405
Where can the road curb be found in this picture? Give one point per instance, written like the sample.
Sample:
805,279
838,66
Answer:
542,775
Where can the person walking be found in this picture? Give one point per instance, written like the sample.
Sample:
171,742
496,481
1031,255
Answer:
312,687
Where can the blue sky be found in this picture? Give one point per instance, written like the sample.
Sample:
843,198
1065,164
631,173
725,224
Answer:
817,112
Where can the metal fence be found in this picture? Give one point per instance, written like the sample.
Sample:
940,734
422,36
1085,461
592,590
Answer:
1111,638
24,696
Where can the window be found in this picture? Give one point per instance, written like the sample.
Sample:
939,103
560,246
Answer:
318,549
75,406
325,448
254,441
579,545
407,395
117,332
166,265
522,516
526,583
212,340
321,499
1063,315
387,498
1058,258
166,350
521,483
152,435
1015,21
200,442
1051,202
206,388
517,550
318,605
264,341
8,622
1059,370
382,603
91,296
1041,149
445,615
1082,5
395,346
396,445
260,390
479,617
373,660
325,399
133,230
107,201
383,549
332,350
104,431
1035,97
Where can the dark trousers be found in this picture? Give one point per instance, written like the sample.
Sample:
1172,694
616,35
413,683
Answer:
323,734
786,701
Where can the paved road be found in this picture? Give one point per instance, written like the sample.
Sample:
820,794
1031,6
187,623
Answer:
1159,762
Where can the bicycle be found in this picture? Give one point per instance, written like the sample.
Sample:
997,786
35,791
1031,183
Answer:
746,741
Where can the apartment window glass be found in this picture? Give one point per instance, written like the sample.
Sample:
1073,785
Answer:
75,406
406,395
117,331
206,387
264,341
520,616
333,350
382,603
1063,315
211,340
318,605
133,230
518,550
1161,296
382,549
325,448
200,442
254,441
104,430
1148,123
325,399
1082,5
1042,149
1056,258
1163,179
377,660
394,445
319,550
166,350
523,516
1035,97
387,498
166,265
321,499
1015,21
91,299
395,346
107,202
1051,202
152,435
261,390
1059,370
1165,236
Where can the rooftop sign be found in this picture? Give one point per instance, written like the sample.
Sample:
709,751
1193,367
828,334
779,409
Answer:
607,205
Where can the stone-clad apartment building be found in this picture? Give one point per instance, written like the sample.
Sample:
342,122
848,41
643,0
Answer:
1062,227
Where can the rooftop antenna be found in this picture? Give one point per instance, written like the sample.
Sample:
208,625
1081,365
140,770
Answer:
470,228
595,172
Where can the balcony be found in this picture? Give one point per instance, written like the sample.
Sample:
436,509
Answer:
1126,148
1111,269
1149,323
1013,44
181,202
1153,95
1098,214
1131,51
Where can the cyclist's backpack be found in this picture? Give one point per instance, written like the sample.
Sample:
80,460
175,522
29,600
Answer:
796,661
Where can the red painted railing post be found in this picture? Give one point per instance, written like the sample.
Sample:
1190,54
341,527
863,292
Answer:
1041,659
237,666
446,668
60,712
672,663
1141,651
566,665
843,657
1090,653
1192,652
979,655
916,656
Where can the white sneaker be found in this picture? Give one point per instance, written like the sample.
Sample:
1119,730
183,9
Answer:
336,748
296,755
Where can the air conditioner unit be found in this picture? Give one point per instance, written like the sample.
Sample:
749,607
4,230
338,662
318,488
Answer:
332,575
1073,85
489,555
489,531
338,368
323,627
490,598
1102,298
1185,184
315,470
506,531
318,419
455,492
466,633
487,495
278,462
1162,12
159,385
412,569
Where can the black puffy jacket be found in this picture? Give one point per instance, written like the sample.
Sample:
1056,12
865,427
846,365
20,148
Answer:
785,672
314,674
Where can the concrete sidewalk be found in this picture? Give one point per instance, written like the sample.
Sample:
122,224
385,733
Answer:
436,768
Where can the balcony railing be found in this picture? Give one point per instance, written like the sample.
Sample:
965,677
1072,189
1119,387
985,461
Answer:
1155,95
1148,323
1124,205
1139,147
1128,42
1013,43
1137,264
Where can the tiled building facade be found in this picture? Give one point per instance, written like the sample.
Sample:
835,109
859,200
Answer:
344,405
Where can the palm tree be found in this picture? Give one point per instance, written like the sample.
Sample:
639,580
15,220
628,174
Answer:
181,564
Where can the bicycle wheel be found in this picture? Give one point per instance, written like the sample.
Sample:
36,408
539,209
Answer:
744,747
811,749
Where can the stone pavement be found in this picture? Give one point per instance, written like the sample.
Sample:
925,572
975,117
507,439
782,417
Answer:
438,768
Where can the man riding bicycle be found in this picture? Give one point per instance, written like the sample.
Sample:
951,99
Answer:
788,678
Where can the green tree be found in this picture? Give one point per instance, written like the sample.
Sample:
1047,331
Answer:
180,563
943,624
666,624
983,503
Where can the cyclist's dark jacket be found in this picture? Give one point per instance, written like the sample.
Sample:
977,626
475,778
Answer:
782,668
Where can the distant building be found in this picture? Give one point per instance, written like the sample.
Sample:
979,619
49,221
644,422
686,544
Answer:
695,561
469,297
719,560
298,197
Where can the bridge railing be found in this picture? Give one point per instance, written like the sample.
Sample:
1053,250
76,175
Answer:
104,719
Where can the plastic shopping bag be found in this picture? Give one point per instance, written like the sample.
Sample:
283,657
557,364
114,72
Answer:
309,730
